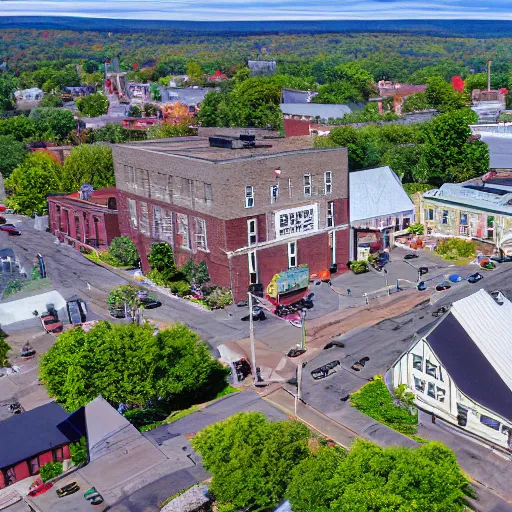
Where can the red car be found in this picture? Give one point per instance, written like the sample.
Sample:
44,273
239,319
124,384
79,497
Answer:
51,323
10,230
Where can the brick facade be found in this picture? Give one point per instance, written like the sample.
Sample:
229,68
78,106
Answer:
162,188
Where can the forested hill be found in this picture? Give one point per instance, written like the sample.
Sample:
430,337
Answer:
442,28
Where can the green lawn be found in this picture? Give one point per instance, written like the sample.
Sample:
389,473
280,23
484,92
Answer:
374,400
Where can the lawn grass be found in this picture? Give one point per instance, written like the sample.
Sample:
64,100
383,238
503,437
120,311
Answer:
27,288
374,400
226,391
104,257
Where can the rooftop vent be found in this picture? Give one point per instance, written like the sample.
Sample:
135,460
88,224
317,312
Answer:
498,297
227,142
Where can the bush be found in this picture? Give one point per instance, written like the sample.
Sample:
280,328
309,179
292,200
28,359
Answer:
93,105
182,288
416,229
78,451
219,298
452,248
51,100
161,260
4,349
195,273
358,266
140,417
13,286
123,250
374,400
412,188
50,471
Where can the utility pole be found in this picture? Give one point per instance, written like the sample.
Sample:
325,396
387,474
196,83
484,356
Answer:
303,328
489,75
251,337
388,291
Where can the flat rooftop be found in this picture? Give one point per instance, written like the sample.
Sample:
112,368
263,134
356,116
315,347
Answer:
198,148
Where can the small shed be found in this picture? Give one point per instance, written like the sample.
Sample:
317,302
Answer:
262,67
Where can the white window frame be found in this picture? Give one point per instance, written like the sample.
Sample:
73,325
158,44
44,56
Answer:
444,218
328,182
249,196
307,184
292,254
157,221
200,233
253,266
274,193
132,207
183,230
144,218
252,232
330,214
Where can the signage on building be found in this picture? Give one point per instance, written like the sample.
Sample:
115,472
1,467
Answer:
296,221
290,280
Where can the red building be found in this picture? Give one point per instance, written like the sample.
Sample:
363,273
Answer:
91,222
30,440
248,208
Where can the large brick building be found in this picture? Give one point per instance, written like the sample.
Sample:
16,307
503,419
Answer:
249,212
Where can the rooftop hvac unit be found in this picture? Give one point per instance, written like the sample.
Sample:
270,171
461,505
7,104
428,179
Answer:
225,142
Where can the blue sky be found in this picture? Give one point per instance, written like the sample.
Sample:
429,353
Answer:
219,10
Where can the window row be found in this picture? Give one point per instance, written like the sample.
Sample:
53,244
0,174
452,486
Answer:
430,368
165,187
191,231
433,391
462,420
308,189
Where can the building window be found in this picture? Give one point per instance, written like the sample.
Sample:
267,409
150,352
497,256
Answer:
249,196
9,476
157,221
296,221
208,193
274,193
252,231
463,219
431,390
292,254
58,454
307,184
419,384
431,369
253,268
129,176
132,207
167,226
200,232
328,182
34,466
440,394
429,214
417,362
170,189
462,415
489,422
441,375
490,227
444,218
330,214
183,230
144,218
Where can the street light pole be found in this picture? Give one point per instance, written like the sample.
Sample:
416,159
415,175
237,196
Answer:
251,337
303,328
386,277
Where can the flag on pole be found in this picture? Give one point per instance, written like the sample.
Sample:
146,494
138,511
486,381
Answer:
278,172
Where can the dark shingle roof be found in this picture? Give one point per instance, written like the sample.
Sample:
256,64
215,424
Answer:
472,373
30,433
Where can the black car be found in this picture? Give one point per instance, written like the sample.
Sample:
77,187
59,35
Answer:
77,311
296,352
149,303
326,370
411,256
474,278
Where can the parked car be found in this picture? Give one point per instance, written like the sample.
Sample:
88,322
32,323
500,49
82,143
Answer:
51,323
77,311
296,352
149,303
3,220
326,370
474,278
10,230
411,256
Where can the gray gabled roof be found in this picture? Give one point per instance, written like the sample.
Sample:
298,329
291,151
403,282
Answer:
376,193
321,110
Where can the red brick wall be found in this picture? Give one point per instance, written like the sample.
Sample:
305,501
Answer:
111,226
341,211
295,127
45,458
237,235
21,471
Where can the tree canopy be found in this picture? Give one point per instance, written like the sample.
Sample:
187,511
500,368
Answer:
129,364
12,154
8,84
53,123
32,182
93,105
88,164
251,458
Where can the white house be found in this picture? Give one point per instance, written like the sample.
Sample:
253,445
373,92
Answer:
32,94
460,369
379,207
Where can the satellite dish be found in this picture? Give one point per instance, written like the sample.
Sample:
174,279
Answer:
86,191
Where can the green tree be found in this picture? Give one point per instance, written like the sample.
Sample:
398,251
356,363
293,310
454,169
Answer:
88,164
91,66
93,105
416,102
123,249
12,154
442,96
250,458
310,487
448,154
22,128
403,160
166,130
130,364
161,260
210,113
195,73
31,182
49,86
51,100
8,84
53,123
113,133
